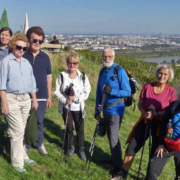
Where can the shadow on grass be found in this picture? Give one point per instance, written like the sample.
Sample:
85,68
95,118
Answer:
4,141
99,155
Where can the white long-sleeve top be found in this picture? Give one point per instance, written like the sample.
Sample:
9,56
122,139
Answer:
79,97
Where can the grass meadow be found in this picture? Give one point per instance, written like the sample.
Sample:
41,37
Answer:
47,168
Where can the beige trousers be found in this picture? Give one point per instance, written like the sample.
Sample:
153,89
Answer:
19,107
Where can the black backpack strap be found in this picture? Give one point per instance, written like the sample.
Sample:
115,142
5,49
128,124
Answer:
83,77
116,72
101,72
173,109
62,81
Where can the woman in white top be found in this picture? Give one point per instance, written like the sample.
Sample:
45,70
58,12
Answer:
75,103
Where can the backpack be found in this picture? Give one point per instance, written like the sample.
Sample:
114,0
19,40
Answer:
171,144
83,77
133,85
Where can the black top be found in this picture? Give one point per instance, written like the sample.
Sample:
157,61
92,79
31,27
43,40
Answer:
41,68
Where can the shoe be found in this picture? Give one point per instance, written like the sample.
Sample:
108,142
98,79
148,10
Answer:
119,174
70,151
82,154
20,170
29,162
116,172
42,150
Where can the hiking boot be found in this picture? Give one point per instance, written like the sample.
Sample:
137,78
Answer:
42,150
82,154
20,170
70,151
121,175
116,173
29,162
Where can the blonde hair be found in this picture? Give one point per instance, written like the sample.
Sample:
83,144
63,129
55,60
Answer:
19,36
73,56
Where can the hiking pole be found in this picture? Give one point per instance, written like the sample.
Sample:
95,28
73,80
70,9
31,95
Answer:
91,149
65,129
69,92
144,145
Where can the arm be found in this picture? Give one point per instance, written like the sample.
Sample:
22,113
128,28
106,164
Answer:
98,95
147,114
5,108
58,92
86,91
49,87
125,89
34,101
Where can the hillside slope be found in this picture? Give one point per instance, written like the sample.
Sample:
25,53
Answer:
48,167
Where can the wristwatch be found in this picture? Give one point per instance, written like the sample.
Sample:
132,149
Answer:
49,96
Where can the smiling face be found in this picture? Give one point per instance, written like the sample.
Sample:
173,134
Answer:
18,52
35,41
108,58
163,76
5,37
72,65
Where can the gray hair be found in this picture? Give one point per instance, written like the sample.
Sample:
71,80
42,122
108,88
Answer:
107,49
165,66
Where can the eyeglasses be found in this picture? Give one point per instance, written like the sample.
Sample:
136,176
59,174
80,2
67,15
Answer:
73,63
107,57
37,40
20,47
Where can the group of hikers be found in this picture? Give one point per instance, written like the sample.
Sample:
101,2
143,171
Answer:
26,82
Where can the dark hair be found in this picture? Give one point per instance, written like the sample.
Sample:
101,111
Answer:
54,37
6,29
36,30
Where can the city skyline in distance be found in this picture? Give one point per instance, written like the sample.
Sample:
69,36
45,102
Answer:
102,17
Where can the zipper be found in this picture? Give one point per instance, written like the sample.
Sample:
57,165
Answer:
34,59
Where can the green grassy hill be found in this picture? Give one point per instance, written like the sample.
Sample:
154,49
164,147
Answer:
48,167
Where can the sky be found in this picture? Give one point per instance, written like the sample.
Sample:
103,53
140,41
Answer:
96,16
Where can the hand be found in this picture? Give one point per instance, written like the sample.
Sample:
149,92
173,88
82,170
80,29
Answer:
96,116
5,109
68,101
152,107
107,89
71,98
160,151
148,115
34,104
49,103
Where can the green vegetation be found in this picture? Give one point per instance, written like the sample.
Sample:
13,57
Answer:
48,167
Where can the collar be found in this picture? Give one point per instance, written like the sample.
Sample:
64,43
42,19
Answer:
5,48
12,57
39,54
109,68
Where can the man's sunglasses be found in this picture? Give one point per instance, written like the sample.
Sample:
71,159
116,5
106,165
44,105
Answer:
37,40
20,47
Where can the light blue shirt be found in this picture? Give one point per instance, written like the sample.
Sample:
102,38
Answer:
4,52
16,77
176,129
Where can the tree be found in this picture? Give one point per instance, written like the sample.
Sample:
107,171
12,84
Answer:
173,61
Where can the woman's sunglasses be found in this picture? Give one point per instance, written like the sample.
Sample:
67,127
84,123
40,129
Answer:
37,40
20,47
73,63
